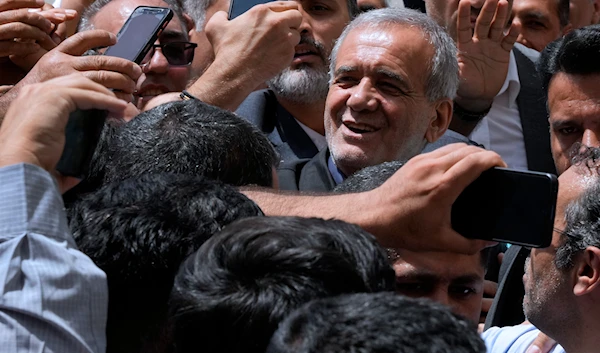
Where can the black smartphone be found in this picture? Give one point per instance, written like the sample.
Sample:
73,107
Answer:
506,205
84,127
238,7
139,32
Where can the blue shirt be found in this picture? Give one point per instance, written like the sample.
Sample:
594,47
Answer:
52,297
512,339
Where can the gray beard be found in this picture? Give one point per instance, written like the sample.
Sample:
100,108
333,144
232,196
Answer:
304,85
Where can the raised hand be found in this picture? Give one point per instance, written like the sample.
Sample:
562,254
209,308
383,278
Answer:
484,53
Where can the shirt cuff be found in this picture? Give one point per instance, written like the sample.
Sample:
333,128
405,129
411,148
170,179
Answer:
30,202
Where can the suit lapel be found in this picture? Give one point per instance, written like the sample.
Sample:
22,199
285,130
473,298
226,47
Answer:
534,117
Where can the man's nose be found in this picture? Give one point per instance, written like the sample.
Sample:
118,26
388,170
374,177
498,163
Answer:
158,63
591,137
363,96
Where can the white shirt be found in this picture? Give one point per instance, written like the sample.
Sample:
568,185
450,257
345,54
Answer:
501,129
318,139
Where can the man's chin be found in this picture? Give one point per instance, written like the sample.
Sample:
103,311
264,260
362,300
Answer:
148,102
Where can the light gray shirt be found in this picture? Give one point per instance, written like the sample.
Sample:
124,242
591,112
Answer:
52,297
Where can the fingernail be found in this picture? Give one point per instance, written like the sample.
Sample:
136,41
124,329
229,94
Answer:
34,10
70,12
533,349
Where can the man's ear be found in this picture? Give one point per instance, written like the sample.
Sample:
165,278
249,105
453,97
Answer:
189,24
596,15
439,122
566,29
588,272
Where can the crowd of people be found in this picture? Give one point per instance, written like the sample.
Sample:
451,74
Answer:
283,181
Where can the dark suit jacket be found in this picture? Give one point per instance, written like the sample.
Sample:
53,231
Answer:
534,117
307,175
287,136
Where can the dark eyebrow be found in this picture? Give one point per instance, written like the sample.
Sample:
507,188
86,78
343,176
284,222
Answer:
559,123
535,15
467,279
419,276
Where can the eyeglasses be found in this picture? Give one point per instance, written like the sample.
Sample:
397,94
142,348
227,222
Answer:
176,53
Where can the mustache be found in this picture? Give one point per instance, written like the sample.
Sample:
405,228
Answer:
318,46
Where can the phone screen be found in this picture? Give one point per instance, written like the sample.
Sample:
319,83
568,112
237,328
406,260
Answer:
238,7
139,32
507,205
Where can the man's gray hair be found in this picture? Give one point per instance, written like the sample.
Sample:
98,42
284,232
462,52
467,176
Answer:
442,80
197,10
88,14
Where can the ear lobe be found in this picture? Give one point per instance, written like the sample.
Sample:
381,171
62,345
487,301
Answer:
588,272
566,29
438,123
596,15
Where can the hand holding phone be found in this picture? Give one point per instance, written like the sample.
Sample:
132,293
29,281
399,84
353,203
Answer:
508,205
83,130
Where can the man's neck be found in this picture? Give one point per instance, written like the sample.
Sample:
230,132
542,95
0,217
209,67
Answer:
310,115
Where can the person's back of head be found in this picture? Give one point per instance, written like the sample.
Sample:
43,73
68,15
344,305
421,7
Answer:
186,137
369,178
232,293
138,232
374,323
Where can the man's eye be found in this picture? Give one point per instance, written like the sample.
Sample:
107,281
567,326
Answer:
390,88
567,130
535,25
345,80
416,289
319,8
462,291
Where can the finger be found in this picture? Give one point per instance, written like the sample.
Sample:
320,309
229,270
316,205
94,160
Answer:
20,4
22,31
543,343
280,6
125,97
484,20
459,244
447,161
486,304
81,42
500,258
464,32
25,16
112,80
511,37
95,99
17,48
499,22
439,152
108,63
490,288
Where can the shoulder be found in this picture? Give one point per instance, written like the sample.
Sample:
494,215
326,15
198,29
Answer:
258,107
511,339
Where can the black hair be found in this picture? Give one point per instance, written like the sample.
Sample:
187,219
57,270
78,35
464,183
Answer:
138,232
185,137
375,323
369,178
232,293
577,53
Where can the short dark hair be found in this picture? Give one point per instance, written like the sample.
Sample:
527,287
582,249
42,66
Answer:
139,231
187,137
232,293
369,178
577,53
582,215
375,323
